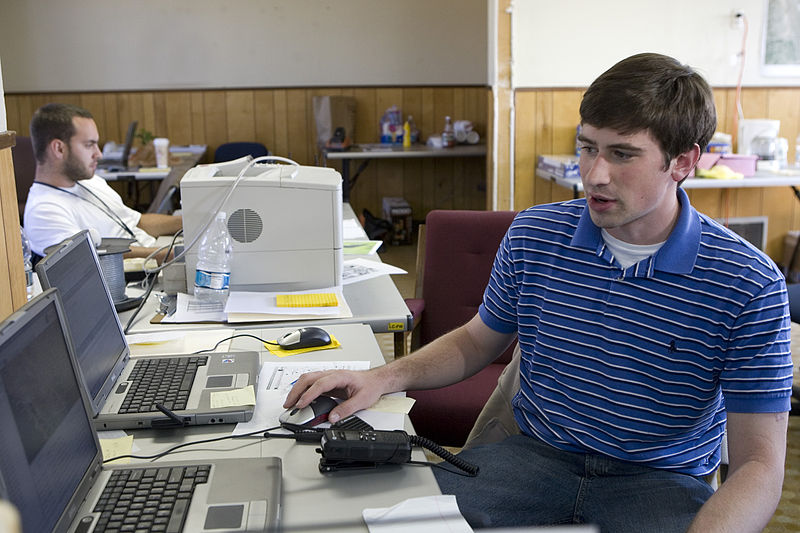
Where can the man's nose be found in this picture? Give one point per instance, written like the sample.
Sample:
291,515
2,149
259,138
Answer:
597,172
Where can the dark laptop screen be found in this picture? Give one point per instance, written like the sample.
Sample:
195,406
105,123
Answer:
90,315
46,441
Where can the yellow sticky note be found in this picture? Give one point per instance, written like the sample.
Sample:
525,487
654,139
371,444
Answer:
116,447
316,299
233,398
280,352
394,404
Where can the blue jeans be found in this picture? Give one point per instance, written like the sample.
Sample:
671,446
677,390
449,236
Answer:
524,482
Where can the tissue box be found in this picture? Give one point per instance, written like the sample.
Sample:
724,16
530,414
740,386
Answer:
563,166
744,164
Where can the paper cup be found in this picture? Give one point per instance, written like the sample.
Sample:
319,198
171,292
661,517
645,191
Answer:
161,146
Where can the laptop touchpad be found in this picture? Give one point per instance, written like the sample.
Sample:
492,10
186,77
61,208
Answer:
224,517
216,382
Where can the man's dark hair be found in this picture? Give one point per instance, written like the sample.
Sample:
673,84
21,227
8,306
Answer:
655,93
53,121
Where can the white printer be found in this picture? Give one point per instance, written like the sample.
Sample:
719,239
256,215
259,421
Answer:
286,231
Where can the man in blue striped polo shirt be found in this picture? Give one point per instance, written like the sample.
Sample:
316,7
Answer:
645,328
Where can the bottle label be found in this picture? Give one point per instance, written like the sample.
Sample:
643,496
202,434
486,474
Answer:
212,280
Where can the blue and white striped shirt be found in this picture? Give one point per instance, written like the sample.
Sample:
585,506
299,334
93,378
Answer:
641,363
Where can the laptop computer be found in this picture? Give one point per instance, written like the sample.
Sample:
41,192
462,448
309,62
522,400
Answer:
114,381
121,165
51,466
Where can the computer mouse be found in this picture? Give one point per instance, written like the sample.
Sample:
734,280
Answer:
309,416
308,337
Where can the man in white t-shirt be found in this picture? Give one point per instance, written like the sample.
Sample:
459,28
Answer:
67,197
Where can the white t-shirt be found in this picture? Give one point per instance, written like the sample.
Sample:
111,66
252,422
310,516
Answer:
52,215
628,254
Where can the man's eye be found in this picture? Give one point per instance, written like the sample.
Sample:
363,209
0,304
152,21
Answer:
588,149
622,155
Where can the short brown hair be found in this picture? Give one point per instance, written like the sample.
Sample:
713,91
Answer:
53,121
655,93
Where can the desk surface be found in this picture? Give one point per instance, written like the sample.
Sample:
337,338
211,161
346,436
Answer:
187,155
390,151
312,501
788,178
375,302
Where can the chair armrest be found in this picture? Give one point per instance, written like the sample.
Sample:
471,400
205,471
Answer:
416,306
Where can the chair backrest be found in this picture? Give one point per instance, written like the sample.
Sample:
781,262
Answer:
460,247
24,169
235,150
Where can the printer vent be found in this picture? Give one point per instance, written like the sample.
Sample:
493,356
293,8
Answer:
245,225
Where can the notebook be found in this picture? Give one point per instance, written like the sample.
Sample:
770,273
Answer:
51,466
112,165
113,379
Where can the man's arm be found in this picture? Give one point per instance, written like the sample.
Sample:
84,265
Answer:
751,492
143,252
157,224
447,360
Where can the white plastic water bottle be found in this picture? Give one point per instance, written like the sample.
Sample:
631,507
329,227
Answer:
213,277
26,257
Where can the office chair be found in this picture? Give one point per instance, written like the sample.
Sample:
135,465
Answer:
235,150
459,249
24,170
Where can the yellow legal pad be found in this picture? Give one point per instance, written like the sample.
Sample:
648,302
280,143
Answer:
317,299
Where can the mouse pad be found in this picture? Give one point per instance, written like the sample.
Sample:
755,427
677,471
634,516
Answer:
280,352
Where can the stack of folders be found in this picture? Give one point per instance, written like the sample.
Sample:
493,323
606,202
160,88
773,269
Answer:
561,166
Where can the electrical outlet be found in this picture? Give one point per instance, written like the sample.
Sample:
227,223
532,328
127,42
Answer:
737,19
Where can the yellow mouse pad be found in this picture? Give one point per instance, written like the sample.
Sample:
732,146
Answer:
280,352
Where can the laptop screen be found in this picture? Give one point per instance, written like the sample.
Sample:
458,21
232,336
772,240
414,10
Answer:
47,441
72,267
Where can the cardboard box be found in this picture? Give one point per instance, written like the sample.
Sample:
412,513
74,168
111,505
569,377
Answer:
398,212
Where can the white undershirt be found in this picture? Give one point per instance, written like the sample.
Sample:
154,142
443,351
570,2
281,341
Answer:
628,254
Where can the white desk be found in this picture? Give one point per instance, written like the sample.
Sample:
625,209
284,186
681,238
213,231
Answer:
313,502
375,302
790,178
367,152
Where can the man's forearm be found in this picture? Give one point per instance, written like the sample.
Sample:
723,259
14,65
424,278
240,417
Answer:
157,224
744,502
448,359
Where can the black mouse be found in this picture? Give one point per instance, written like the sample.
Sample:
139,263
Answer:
309,416
309,337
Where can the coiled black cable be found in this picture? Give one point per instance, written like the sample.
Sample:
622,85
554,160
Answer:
454,460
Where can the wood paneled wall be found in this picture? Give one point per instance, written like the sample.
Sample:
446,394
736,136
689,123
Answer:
12,271
546,121
283,120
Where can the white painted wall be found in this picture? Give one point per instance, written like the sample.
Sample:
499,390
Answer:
568,43
96,45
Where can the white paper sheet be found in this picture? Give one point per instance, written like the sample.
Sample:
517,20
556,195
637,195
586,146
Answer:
359,269
431,514
276,379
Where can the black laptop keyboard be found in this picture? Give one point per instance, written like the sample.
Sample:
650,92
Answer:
167,381
148,499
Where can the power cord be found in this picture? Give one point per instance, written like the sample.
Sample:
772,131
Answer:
204,441
234,337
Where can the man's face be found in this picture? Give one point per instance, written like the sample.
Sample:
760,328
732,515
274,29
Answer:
628,190
82,151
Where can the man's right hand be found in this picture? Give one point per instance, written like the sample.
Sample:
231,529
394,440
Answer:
359,389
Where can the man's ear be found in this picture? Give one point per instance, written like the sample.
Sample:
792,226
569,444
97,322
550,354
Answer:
58,149
685,162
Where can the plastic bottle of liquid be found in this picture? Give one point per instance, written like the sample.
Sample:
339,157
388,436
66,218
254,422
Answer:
26,257
213,277
449,134
414,131
797,152
406,135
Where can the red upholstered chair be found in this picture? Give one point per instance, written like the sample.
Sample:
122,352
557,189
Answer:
459,249
24,170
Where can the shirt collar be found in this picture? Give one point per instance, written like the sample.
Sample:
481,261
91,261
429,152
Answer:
679,253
